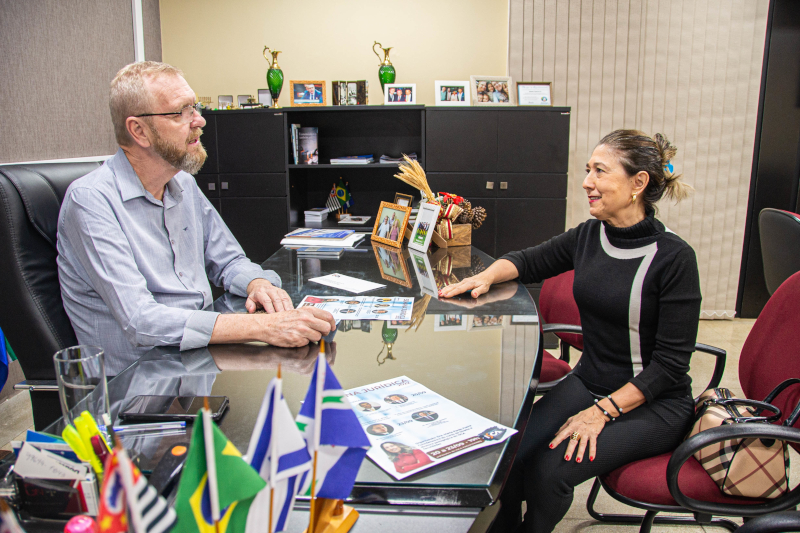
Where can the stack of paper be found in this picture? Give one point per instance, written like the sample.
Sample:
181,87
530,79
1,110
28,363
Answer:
320,252
385,159
323,237
352,160
318,214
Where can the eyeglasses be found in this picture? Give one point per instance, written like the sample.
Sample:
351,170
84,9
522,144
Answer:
187,113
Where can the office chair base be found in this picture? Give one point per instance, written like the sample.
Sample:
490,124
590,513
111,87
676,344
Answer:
650,517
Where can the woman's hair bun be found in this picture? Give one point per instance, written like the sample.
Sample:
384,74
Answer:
674,188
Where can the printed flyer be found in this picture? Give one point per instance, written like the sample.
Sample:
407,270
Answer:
412,428
362,307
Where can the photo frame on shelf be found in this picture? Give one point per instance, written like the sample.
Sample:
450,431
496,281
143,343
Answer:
308,93
392,264
492,90
482,322
524,320
424,272
265,97
403,199
390,224
225,101
424,226
400,94
534,93
453,93
241,99
449,322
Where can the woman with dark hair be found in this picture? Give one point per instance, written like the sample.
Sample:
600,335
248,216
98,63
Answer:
404,457
638,292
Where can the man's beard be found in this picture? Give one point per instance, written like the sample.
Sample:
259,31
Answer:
178,157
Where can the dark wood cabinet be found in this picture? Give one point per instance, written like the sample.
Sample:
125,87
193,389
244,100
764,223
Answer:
511,161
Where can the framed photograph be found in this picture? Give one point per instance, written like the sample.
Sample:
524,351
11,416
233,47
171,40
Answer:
390,224
449,323
392,264
403,199
452,93
308,93
534,93
400,93
482,322
424,272
492,90
265,97
225,101
397,324
242,99
424,226
525,320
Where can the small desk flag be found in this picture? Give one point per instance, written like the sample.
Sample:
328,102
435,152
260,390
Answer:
278,452
153,515
237,484
3,360
332,204
330,426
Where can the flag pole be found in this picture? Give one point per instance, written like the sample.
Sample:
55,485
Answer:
211,464
317,429
273,460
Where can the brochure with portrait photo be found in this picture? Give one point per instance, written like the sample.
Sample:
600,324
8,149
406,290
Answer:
411,428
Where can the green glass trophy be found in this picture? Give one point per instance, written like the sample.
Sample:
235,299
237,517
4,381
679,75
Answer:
386,73
274,76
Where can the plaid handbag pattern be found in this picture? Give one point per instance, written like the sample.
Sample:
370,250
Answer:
754,468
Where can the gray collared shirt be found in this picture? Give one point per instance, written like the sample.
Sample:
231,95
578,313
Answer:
135,271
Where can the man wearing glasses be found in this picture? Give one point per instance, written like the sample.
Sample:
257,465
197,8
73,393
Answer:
138,241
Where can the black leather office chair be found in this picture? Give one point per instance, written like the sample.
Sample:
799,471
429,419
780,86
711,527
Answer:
780,245
31,311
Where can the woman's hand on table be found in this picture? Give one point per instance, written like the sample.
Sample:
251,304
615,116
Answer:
501,291
477,285
587,424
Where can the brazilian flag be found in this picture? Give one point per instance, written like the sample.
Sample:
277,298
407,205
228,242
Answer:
343,194
237,483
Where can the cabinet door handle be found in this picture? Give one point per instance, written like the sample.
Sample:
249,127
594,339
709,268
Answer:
503,185
224,185
490,185
212,186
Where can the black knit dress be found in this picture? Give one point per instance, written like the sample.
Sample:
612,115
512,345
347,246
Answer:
638,293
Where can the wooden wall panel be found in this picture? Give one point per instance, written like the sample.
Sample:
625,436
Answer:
687,69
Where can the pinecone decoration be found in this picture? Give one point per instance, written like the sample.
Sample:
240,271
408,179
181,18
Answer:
478,216
466,215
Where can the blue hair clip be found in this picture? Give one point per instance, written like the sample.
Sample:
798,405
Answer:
669,167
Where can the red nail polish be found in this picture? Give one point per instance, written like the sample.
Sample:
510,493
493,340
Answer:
551,446
591,458
566,457
578,460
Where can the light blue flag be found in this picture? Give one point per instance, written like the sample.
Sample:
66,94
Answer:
279,454
330,427
3,360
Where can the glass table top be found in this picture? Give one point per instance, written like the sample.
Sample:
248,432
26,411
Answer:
484,355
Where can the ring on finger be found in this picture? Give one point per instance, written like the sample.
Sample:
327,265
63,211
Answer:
575,436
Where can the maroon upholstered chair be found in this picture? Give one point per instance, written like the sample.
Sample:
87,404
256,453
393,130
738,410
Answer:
676,482
558,312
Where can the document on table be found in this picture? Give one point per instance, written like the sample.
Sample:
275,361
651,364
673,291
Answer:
412,428
347,283
362,307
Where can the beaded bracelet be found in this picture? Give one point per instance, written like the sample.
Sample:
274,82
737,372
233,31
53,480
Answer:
617,407
604,411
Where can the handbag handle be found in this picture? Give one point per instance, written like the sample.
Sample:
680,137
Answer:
760,406
792,418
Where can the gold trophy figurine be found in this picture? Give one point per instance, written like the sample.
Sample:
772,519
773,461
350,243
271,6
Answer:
274,76
386,72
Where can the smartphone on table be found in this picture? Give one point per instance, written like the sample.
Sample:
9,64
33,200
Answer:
166,408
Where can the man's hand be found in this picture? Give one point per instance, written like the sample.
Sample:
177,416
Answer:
262,293
297,327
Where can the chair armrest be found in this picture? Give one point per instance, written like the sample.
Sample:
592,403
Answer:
37,385
711,436
772,523
719,367
562,328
